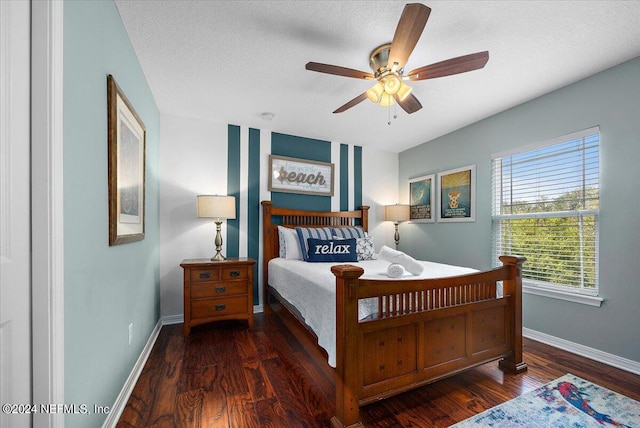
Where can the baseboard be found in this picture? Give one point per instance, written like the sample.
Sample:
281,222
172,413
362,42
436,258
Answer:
584,351
172,319
127,389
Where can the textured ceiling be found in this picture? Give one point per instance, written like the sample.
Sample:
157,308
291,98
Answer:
231,61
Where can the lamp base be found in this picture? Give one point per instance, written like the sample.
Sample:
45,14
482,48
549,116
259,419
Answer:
218,242
396,234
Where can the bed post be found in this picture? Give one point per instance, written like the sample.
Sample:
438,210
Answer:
513,287
364,219
267,248
347,351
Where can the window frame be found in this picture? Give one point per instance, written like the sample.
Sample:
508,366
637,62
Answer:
578,294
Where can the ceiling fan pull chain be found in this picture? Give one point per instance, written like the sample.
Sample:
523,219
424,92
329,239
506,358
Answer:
389,115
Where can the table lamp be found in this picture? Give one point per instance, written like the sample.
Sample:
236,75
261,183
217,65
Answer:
220,208
396,213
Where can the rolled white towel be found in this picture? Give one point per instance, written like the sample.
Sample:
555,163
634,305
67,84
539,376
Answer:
394,256
395,270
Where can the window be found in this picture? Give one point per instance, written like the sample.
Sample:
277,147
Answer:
546,207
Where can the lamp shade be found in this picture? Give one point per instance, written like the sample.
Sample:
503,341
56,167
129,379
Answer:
392,84
404,91
216,206
375,92
396,212
386,100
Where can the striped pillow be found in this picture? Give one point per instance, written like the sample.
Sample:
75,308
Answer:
304,233
349,232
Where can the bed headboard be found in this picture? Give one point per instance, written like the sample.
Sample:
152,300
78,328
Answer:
272,217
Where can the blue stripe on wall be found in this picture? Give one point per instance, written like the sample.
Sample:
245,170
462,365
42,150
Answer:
302,148
233,188
344,177
357,180
253,206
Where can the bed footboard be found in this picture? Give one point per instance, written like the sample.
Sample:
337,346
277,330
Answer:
424,330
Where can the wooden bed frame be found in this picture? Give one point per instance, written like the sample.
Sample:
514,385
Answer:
425,330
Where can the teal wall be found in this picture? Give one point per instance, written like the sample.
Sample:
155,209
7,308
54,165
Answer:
303,148
106,288
611,100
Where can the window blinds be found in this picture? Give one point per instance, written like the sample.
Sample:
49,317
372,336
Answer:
545,205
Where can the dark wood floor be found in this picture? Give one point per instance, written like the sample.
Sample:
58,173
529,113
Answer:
224,375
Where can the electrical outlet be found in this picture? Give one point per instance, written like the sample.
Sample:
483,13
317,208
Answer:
130,333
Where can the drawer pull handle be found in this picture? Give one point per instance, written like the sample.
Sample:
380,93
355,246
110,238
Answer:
221,307
234,273
205,275
221,289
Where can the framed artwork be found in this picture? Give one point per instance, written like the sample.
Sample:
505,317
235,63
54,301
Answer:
457,194
422,192
127,138
292,175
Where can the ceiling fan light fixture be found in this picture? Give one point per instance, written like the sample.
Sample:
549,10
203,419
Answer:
392,84
404,91
386,100
375,92
388,61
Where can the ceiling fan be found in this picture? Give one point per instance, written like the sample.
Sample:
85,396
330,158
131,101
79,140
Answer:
388,61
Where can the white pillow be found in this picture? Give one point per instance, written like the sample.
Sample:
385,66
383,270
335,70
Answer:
282,245
365,248
292,244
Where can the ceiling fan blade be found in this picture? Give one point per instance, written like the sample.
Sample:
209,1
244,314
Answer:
356,100
410,104
451,66
338,71
412,21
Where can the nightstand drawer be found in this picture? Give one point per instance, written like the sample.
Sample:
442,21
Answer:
218,289
208,308
234,273
202,275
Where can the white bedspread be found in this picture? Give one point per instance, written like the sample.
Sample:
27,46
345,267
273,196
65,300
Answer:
310,287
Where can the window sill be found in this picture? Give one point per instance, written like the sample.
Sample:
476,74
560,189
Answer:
570,297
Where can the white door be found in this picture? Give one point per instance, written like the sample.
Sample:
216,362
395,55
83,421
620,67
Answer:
15,278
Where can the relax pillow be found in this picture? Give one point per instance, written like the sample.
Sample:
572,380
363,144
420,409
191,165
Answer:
304,233
332,250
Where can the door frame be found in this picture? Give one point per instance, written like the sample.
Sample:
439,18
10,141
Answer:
47,231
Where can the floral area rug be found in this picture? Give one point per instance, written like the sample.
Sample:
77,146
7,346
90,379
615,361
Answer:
567,402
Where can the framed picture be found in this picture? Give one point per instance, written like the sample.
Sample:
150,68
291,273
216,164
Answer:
457,190
127,138
422,193
291,175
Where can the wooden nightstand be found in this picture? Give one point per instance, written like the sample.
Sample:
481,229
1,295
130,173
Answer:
217,290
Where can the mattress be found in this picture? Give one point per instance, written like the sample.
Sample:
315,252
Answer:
310,288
